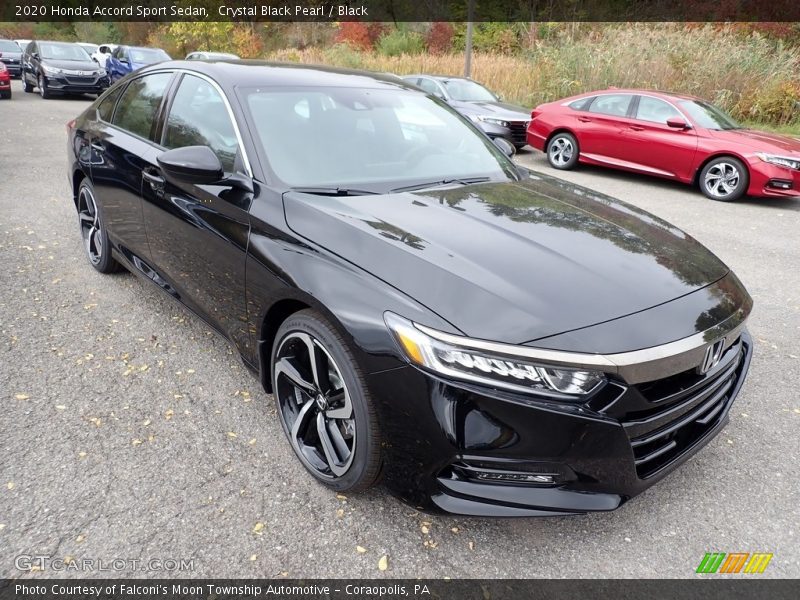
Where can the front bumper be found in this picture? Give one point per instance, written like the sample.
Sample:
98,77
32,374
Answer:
72,84
769,180
442,439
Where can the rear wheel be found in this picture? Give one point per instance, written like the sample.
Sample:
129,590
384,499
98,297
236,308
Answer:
323,403
562,151
93,233
724,179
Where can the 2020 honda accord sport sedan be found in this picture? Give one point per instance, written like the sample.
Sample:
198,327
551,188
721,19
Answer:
667,135
485,339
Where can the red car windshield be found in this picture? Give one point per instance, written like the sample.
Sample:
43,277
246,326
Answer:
708,116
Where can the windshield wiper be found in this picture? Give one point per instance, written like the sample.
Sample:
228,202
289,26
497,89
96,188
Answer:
429,184
333,191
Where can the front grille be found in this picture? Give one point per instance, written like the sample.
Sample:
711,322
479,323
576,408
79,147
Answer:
518,129
80,80
687,407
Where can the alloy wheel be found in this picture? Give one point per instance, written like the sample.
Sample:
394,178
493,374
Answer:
42,88
314,405
722,179
89,221
561,151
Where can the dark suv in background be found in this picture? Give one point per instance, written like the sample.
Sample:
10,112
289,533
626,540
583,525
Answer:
61,67
10,55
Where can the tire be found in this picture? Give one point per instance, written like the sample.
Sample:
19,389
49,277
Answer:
26,86
724,179
93,233
562,151
310,401
43,91
6,95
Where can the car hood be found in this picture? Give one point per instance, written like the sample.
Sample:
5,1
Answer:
71,65
497,110
511,262
761,140
10,54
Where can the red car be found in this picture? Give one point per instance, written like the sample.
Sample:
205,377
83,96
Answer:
5,82
667,135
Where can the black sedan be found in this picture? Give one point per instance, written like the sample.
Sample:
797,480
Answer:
486,339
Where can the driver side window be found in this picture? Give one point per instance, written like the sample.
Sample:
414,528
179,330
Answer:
199,117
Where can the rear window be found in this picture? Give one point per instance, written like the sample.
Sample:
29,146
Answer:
615,105
580,103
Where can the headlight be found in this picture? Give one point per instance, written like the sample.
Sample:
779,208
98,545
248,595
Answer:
101,72
51,70
481,118
460,361
782,161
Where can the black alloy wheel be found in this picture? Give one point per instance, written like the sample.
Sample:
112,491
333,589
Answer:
323,404
95,239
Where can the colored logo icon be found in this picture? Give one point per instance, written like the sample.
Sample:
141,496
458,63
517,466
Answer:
736,562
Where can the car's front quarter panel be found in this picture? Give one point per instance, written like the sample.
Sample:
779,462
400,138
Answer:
283,267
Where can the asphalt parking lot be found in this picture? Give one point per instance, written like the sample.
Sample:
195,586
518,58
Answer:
131,431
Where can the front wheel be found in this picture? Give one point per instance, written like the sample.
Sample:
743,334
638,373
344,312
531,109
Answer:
724,179
43,91
323,403
562,151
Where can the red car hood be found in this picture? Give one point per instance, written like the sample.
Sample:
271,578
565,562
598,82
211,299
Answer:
761,140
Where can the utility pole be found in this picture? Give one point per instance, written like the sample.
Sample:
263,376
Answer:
468,44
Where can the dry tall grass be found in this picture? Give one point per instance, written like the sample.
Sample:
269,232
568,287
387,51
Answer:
753,78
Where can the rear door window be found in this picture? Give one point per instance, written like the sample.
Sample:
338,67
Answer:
614,105
138,106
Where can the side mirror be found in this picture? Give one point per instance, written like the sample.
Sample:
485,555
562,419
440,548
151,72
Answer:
505,146
191,164
677,123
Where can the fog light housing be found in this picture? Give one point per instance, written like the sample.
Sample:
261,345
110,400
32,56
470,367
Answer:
779,184
516,477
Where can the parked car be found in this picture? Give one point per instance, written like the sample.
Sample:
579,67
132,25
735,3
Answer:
126,59
90,48
667,135
61,68
490,340
477,103
103,52
5,82
202,55
10,56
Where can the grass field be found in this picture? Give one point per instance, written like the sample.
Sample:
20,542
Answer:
755,79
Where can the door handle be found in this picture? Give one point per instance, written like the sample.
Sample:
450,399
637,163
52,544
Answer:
154,180
98,147
636,128
584,119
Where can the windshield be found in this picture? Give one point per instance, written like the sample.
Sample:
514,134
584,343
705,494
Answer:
56,51
465,90
148,55
708,116
378,139
90,48
9,46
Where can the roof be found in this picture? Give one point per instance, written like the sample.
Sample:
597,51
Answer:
259,72
642,91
